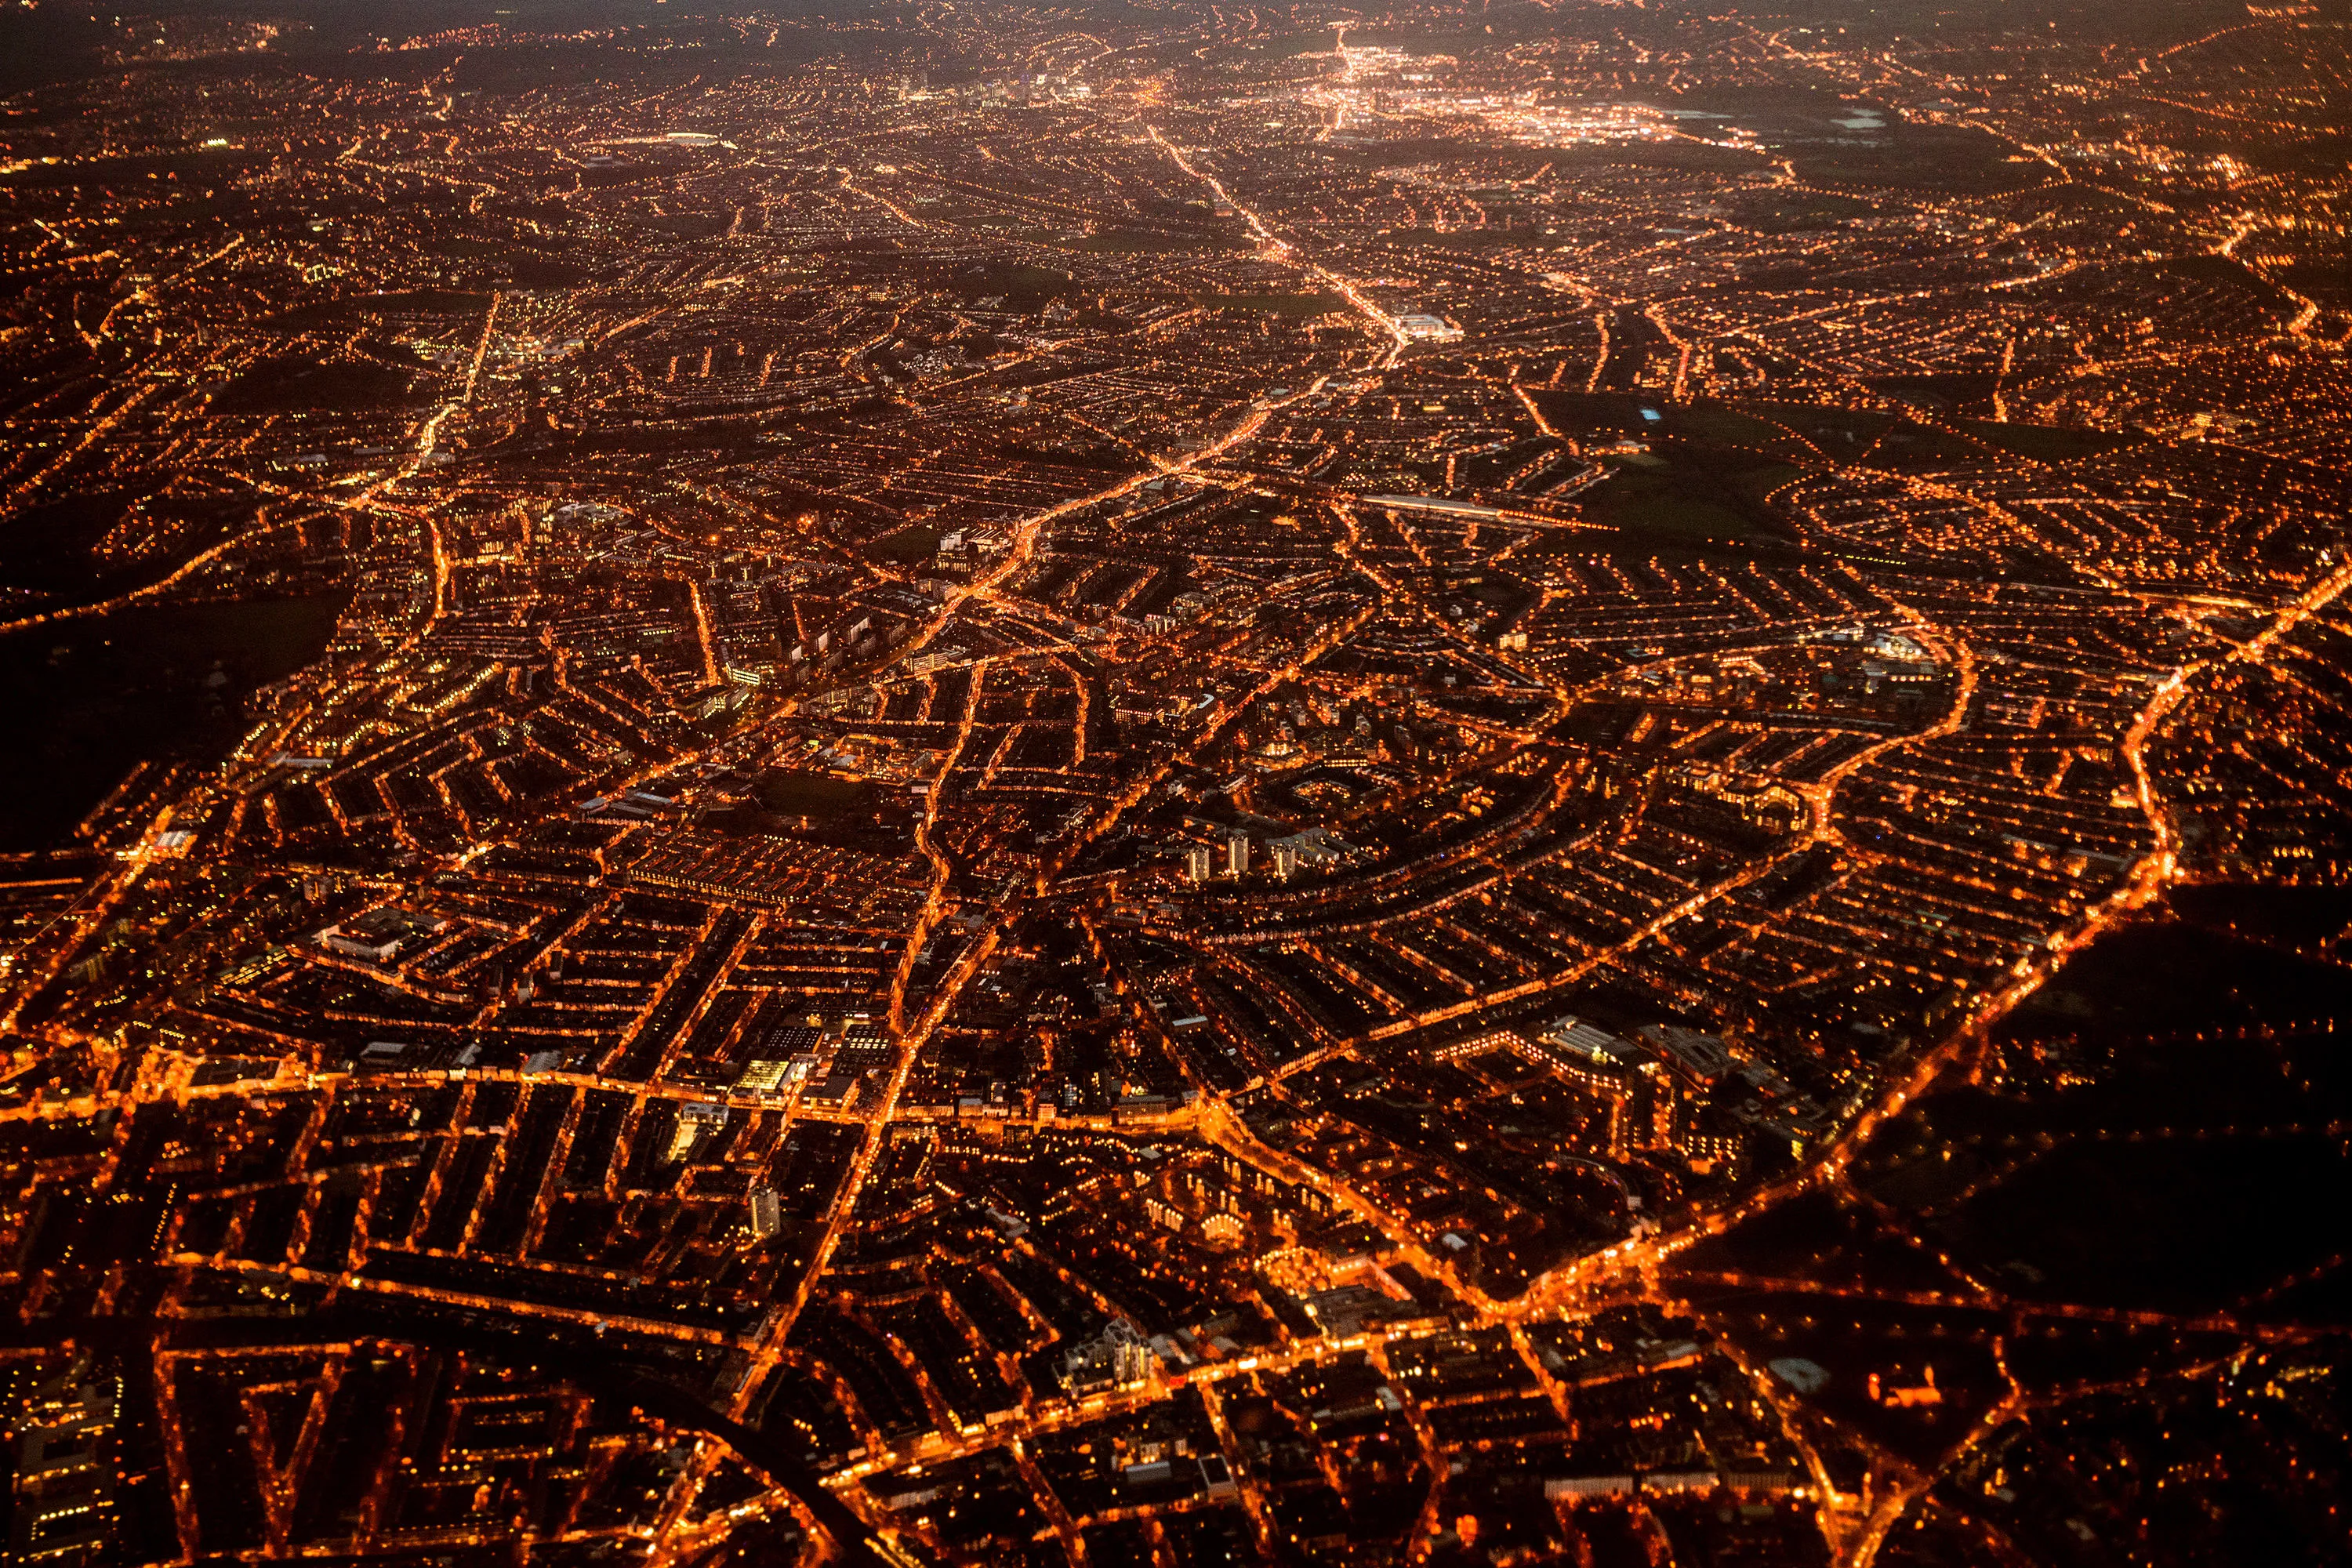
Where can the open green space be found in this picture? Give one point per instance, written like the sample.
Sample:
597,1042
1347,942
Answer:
1685,500
1943,158
1709,423
794,793
1840,432
916,542
86,700
1297,306
1148,242
2047,443
1021,284
292,384
93,546
1458,238
1721,425
451,305
1793,212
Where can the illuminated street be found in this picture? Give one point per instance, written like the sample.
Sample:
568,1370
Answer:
1175,785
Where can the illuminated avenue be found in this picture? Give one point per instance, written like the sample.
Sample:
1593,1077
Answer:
1175,783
